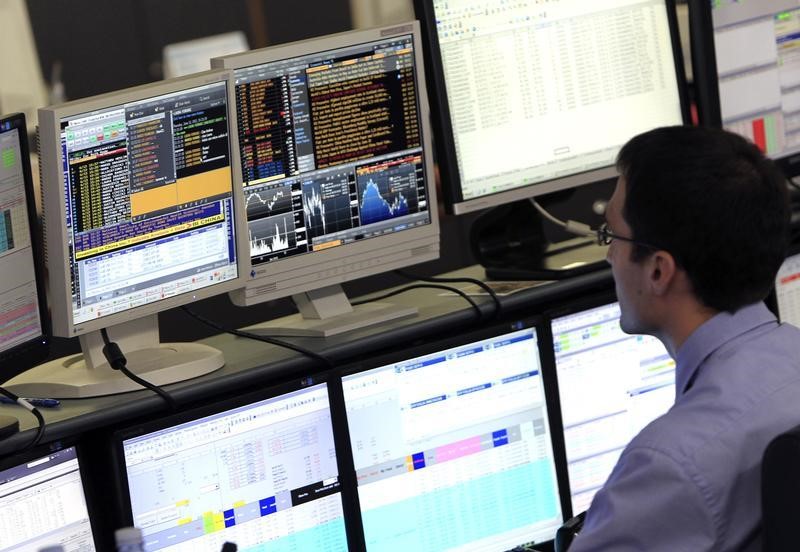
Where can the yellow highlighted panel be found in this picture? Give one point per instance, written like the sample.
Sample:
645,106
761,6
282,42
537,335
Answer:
184,521
184,190
239,503
184,502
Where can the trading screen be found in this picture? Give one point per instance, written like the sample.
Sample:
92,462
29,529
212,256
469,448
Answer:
610,385
757,46
526,78
19,305
263,476
331,148
149,200
787,290
42,503
452,450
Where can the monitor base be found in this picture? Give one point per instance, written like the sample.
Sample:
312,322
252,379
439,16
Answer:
326,312
368,314
8,426
89,375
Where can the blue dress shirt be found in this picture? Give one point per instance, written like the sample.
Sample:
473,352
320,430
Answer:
691,479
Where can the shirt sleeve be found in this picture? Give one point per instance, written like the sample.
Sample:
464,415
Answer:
648,503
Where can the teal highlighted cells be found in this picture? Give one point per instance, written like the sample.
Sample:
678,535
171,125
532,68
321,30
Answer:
329,537
474,510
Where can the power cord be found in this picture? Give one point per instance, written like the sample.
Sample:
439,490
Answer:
325,361
457,291
117,360
571,226
498,307
33,410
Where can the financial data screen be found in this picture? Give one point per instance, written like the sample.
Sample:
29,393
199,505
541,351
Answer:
42,504
610,385
757,47
452,450
787,290
544,89
263,476
19,304
331,148
149,195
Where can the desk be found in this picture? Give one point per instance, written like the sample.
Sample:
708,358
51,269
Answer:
250,363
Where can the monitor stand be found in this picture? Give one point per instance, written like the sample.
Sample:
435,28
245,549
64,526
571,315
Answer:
89,374
510,243
327,311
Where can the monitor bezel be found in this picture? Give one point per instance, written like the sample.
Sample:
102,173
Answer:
94,508
30,353
54,202
445,141
432,345
119,436
278,278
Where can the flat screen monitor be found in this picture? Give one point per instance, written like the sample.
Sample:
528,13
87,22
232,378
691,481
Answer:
536,97
452,449
262,475
24,322
141,214
610,385
758,71
337,169
787,290
43,503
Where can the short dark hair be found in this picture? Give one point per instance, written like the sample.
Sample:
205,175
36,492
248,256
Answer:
715,202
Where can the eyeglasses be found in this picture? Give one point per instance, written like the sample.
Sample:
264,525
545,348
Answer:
606,236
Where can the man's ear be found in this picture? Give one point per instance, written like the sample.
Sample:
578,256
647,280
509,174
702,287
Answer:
661,272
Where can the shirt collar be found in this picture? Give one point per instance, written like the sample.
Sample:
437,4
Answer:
711,335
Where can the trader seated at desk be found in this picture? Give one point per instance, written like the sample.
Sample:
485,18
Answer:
697,227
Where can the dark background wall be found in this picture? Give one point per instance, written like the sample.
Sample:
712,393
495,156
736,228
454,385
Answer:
105,45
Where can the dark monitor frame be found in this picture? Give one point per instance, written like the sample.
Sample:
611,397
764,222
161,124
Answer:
444,146
19,358
94,505
121,493
548,361
341,427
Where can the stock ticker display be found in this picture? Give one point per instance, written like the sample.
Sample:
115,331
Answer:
149,198
331,148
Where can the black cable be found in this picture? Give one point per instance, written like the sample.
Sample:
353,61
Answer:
325,361
118,361
33,410
457,291
474,281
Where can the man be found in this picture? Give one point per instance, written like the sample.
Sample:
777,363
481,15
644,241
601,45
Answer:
697,228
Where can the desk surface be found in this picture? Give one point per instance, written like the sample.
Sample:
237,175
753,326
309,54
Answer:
252,363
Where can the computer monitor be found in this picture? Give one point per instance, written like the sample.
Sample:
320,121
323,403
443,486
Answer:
141,214
262,474
43,503
610,385
451,448
787,290
536,97
337,169
24,322
758,74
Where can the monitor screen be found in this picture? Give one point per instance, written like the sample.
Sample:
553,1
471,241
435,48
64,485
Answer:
23,318
262,476
146,215
610,386
452,449
335,160
42,503
535,97
758,71
787,290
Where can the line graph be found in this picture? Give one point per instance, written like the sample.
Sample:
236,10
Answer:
388,193
326,205
269,201
272,234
